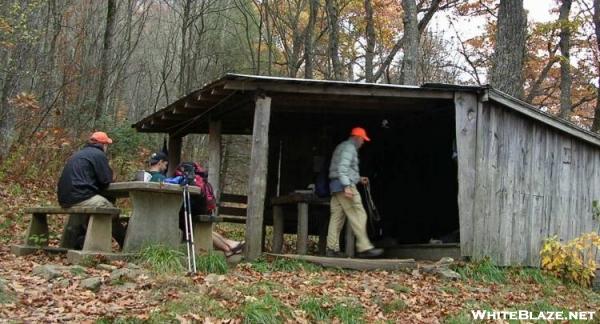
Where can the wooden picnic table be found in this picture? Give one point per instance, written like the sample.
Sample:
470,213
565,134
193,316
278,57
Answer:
302,201
155,215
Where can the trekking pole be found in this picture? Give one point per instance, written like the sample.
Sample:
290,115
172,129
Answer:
374,213
191,226
187,235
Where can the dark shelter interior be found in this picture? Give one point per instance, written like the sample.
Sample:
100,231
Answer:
410,161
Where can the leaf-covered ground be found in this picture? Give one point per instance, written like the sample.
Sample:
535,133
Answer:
265,291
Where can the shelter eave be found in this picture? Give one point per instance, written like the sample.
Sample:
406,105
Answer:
546,118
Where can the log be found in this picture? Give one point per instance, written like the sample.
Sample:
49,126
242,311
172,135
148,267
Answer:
355,264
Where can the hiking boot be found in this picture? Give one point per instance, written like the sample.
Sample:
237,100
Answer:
371,253
334,254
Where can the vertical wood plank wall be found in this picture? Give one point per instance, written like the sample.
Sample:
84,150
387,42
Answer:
529,181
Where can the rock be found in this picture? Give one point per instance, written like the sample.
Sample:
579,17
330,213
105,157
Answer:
78,270
445,261
447,274
213,279
235,259
62,283
428,268
480,290
106,267
92,283
133,266
47,272
124,274
127,286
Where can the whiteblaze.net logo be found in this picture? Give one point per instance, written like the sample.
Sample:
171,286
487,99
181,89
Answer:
535,316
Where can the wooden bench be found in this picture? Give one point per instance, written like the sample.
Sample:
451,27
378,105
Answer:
231,209
97,239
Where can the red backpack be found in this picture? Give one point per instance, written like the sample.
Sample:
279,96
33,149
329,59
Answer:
199,180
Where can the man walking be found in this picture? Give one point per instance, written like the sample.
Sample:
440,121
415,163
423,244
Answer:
345,199
83,178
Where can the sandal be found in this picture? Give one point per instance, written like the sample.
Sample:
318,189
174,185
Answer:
238,248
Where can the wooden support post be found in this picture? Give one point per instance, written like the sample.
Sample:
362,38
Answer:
466,148
302,240
214,157
174,148
257,182
277,229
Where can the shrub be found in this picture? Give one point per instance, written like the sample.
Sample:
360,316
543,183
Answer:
573,261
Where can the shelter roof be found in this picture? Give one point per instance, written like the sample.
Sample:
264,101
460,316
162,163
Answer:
231,99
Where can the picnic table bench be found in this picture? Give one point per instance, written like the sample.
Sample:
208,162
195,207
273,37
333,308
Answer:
154,219
97,238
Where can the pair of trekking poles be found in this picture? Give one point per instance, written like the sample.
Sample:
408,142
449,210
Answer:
374,216
189,232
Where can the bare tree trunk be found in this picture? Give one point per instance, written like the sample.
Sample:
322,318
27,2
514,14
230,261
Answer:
411,43
260,39
565,61
535,88
7,115
55,16
269,39
332,19
596,124
370,38
309,39
105,60
183,87
507,63
384,67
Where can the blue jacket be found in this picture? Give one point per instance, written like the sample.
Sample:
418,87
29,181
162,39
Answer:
344,166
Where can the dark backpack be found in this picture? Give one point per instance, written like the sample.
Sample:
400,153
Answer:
194,174
322,181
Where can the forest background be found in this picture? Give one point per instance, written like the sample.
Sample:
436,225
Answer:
70,66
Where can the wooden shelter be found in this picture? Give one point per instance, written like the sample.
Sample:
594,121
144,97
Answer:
442,158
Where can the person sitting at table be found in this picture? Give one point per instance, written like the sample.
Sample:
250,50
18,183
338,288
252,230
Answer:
158,164
85,175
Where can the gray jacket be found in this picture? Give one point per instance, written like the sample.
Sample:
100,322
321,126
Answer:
344,163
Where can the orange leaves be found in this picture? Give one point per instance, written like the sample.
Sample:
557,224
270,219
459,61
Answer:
25,101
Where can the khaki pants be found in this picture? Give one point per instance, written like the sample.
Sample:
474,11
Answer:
343,207
95,201
76,227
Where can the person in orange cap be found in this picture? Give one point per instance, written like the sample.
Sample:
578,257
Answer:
345,199
86,174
